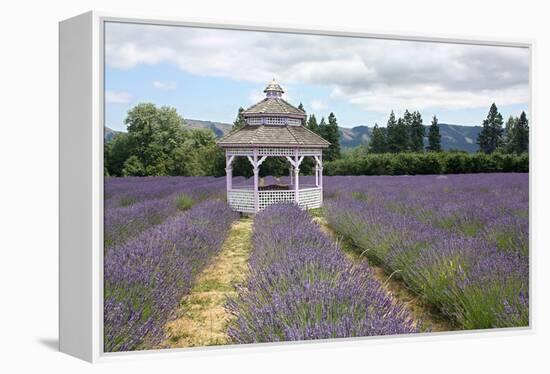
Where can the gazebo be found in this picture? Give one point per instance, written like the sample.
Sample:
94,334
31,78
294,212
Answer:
274,128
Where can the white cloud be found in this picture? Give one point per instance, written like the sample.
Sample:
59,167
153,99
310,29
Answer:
117,97
374,74
165,85
318,105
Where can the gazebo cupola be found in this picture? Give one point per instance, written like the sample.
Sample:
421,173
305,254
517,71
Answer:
274,128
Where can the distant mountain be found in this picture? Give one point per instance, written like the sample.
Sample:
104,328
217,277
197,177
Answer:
109,133
457,137
219,128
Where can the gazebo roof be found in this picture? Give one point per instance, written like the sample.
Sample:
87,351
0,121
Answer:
274,105
273,135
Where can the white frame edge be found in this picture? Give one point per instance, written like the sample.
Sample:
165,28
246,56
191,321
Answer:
80,186
81,120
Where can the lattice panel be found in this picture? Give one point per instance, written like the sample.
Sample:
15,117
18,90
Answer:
277,121
273,151
271,197
241,200
310,198
239,151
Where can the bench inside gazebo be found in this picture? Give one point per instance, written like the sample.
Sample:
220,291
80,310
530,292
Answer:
274,128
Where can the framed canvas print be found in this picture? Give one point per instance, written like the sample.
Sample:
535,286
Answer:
227,185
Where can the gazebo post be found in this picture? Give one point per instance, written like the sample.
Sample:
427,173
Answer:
321,176
316,174
296,177
256,172
229,172
290,172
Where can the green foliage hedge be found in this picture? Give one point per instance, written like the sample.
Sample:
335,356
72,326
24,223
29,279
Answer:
428,163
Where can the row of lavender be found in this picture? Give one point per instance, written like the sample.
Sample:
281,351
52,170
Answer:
460,241
134,204
301,286
146,277
159,250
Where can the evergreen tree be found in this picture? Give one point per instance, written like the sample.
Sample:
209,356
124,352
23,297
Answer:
239,121
517,134
398,135
434,137
522,134
332,135
377,143
312,124
322,128
509,129
407,122
490,137
416,133
390,132
301,107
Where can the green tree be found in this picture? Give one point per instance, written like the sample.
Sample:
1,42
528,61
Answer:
332,135
116,152
407,121
490,137
301,107
239,121
416,132
397,135
434,137
154,135
133,167
517,134
377,143
312,123
390,131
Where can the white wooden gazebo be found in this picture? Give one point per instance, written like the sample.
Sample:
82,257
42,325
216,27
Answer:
274,128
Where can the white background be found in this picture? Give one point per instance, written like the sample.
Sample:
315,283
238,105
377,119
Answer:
29,172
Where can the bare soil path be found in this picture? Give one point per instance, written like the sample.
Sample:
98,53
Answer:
420,311
202,319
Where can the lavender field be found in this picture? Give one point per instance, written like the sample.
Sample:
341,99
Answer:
458,242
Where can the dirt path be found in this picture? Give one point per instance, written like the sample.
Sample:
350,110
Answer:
202,318
418,309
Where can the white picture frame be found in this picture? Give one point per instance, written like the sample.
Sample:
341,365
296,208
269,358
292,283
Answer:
81,122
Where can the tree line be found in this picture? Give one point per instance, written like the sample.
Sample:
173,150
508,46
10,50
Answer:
411,163
407,134
157,142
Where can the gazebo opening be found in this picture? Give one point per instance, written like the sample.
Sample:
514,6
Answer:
274,128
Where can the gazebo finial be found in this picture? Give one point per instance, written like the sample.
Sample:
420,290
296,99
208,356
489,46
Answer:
273,89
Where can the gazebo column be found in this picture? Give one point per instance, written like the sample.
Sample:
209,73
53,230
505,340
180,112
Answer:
256,169
229,172
290,173
321,177
316,174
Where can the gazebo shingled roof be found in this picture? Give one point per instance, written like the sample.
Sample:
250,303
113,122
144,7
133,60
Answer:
288,135
274,106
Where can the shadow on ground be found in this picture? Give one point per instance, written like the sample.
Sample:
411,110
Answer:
51,343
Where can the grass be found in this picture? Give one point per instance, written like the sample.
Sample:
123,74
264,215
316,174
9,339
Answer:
184,202
201,318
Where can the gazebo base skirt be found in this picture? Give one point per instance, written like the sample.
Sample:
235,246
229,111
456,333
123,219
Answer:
242,200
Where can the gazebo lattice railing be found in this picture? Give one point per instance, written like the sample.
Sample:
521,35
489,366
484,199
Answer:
254,199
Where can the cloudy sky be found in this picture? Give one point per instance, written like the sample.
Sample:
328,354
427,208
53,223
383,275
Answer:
207,74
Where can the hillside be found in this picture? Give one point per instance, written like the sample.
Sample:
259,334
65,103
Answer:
457,137
452,136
